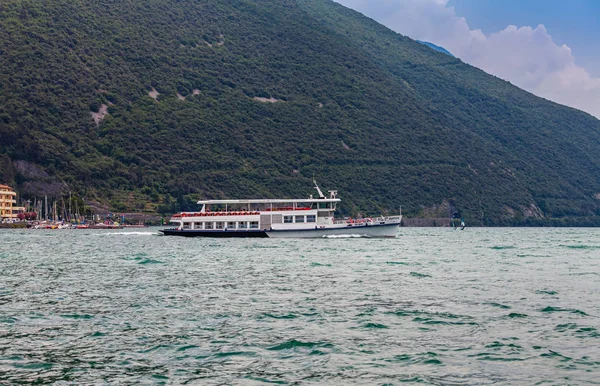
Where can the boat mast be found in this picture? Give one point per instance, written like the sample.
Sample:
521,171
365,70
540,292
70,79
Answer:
321,195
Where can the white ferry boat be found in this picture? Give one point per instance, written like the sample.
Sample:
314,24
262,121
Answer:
278,218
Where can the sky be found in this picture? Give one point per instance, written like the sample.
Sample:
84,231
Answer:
547,47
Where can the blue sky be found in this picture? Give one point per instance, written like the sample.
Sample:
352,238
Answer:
575,23
547,47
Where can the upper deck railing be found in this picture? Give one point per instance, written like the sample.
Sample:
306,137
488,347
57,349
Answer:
268,201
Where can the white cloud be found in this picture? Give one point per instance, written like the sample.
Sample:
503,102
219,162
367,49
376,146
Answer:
525,56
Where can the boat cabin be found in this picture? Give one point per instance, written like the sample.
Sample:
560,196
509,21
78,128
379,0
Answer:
260,214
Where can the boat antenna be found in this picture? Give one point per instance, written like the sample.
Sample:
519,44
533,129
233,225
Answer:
321,195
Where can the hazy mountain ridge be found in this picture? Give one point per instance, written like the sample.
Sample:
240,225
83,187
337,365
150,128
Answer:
256,97
437,48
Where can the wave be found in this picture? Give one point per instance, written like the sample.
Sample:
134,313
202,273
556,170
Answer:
151,261
546,292
499,305
560,309
274,316
353,236
314,264
77,316
131,233
516,315
296,343
580,246
428,358
235,353
375,325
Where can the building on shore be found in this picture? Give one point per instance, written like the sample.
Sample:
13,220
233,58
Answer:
8,208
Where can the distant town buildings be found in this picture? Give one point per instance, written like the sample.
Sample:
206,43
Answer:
8,209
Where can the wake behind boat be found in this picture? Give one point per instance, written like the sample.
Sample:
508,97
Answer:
277,218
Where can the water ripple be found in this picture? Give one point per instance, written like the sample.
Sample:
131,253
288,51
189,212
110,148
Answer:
484,306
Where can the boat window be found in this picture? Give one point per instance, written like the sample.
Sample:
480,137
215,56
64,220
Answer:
220,225
288,219
242,225
197,225
208,225
253,224
311,218
186,225
299,219
231,225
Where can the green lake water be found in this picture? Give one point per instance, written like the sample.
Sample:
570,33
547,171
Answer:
433,306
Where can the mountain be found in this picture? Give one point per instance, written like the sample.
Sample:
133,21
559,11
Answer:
152,105
437,48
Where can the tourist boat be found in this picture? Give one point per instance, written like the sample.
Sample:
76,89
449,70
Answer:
278,218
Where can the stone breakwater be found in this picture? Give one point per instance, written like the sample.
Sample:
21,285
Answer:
426,222
13,226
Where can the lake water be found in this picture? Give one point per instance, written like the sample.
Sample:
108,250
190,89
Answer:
434,306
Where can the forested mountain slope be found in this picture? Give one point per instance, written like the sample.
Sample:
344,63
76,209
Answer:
128,102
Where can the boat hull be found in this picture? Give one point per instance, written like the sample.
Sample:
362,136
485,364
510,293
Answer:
379,230
214,233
